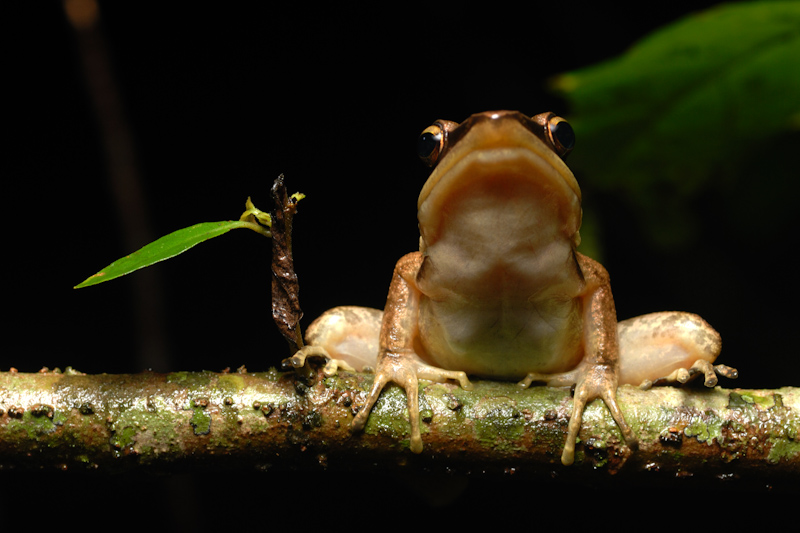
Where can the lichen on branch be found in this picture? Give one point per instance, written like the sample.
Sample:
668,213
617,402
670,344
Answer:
248,420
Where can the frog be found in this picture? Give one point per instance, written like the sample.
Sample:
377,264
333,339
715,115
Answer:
498,290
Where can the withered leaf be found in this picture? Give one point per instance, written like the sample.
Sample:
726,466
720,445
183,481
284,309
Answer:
285,288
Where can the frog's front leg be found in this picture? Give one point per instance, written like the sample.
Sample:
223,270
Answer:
596,375
398,362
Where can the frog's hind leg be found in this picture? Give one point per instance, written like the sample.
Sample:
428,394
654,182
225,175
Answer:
669,346
345,337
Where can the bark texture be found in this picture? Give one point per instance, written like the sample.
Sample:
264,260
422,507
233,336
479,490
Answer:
273,420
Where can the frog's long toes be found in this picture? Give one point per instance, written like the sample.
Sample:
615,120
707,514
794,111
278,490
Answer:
292,363
330,368
530,378
359,421
416,444
726,371
568,454
646,385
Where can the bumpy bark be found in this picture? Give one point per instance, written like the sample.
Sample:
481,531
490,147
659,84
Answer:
235,420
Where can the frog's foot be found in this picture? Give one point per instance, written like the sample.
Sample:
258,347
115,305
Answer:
405,370
332,365
591,381
668,347
701,366
346,337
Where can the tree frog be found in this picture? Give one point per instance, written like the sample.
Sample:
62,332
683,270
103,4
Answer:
498,290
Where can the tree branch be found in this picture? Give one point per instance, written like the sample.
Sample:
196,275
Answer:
234,420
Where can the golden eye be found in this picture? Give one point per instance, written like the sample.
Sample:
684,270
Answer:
561,136
430,144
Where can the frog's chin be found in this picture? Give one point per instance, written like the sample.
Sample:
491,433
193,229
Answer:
501,179
499,146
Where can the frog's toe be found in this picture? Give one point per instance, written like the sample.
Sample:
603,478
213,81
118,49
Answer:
710,372
646,384
298,359
361,417
332,366
561,379
568,453
441,375
726,371
530,378
707,369
701,366
463,380
682,375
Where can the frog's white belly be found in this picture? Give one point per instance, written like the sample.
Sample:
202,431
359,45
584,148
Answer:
504,343
499,289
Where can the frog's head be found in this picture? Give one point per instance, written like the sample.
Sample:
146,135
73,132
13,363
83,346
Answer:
498,156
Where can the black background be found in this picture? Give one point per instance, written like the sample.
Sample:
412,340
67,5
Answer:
220,99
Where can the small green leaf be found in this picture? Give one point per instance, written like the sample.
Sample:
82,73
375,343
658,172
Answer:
254,214
168,246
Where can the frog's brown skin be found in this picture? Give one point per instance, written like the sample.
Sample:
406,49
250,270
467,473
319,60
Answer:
498,290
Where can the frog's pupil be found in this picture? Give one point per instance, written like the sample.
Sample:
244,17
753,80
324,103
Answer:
563,132
427,144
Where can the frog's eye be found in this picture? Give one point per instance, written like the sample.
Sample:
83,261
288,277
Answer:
430,144
561,135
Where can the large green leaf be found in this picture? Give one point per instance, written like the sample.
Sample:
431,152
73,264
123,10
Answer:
698,100
167,246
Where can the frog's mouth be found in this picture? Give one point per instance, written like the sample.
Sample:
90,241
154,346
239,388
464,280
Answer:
504,166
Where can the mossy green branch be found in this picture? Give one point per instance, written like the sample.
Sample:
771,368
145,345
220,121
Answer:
247,420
